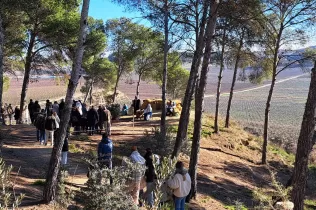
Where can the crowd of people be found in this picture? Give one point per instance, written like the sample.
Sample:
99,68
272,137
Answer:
91,120
180,183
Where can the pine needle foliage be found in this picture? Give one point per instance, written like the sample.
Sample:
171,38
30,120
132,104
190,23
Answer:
8,198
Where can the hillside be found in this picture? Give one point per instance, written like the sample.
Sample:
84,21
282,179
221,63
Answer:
228,165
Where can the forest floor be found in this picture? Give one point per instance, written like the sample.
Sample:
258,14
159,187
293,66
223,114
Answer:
228,170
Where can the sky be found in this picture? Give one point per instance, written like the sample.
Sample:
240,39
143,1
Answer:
105,9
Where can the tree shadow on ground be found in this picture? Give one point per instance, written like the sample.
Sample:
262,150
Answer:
225,191
227,153
257,175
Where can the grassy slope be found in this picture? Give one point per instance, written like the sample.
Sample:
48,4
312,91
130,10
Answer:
230,170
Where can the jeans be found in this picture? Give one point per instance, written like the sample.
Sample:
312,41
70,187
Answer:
41,135
147,116
64,158
150,193
49,134
179,203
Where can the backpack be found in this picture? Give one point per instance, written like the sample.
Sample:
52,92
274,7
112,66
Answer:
40,122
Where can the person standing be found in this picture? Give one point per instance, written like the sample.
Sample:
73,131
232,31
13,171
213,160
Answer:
84,110
136,104
107,121
105,150
31,110
136,158
79,106
148,112
92,119
10,113
17,114
39,123
61,106
50,127
181,185
64,151
150,177
75,118
102,117
36,108
56,108
2,114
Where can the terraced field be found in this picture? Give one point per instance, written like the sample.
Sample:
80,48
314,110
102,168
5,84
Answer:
286,110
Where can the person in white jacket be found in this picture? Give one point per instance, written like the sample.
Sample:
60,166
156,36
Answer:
181,185
136,158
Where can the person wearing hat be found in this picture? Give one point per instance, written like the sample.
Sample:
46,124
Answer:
181,185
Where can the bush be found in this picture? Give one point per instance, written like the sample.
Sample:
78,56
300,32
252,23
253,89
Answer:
266,200
63,197
115,110
99,193
164,147
7,199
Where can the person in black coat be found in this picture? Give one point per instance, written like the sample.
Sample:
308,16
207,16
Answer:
75,119
17,114
150,177
92,119
31,110
61,106
102,116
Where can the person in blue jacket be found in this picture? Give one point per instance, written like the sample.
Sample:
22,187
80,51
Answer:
105,149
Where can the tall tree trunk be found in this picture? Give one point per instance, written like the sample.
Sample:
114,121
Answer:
199,98
91,90
138,83
27,71
1,58
304,146
219,83
115,88
196,61
49,193
268,103
164,75
241,43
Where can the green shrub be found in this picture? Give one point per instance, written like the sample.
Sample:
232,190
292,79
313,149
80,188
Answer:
99,193
8,200
115,110
265,199
63,197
